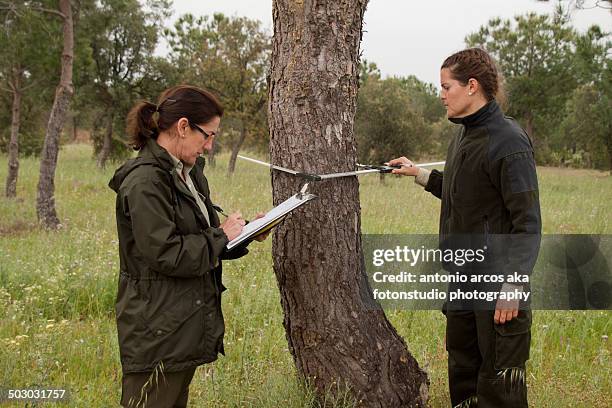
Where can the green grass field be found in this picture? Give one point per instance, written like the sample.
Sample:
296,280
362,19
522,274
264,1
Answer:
57,292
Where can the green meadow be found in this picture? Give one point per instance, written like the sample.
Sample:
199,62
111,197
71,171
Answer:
57,292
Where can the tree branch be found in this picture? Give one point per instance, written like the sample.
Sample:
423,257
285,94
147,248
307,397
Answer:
10,6
25,88
50,11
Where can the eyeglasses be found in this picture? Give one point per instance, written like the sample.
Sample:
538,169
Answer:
202,131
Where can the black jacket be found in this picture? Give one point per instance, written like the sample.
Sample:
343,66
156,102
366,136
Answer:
169,296
489,188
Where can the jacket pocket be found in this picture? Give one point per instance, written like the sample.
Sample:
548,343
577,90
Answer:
172,316
512,341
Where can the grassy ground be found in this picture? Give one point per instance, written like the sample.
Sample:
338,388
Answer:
57,293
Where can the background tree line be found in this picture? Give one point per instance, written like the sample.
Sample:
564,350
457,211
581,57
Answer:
557,81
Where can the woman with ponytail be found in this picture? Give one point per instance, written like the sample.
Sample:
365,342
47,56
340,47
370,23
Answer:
490,201
171,248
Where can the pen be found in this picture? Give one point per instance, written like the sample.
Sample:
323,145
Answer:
220,211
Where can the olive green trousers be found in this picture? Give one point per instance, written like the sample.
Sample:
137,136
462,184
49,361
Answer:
156,389
486,361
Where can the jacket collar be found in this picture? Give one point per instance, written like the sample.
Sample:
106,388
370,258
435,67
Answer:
480,116
154,151
154,154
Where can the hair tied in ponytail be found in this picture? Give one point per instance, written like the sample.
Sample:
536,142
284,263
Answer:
147,120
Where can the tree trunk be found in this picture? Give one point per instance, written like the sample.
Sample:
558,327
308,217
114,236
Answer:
610,152
75,127
338,340
210,155
13,151
529,126
45,200
107,143
235,150
382,178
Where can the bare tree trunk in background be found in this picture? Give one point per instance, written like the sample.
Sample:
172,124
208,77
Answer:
610,151
235,150
338,336
13,151
529,127
107,143
382,179
45,200
75,127
210,155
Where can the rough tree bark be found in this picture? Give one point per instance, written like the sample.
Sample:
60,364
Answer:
45,200
13,151
337,338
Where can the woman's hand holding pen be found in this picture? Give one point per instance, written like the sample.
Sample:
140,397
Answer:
408,168
232,226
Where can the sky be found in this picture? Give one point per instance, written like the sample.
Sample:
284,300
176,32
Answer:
411,37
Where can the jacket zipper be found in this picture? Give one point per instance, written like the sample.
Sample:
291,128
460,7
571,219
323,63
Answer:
456,167
451,187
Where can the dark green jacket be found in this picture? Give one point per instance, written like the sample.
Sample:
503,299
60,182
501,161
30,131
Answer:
169,297
489,189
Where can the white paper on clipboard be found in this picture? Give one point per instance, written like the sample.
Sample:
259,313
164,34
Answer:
271,219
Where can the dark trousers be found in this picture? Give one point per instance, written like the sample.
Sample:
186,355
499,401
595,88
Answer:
156,389
486,361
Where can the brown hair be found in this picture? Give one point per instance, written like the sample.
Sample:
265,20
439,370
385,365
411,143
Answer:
182,101
478,64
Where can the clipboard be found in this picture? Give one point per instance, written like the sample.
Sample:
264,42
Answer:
271,219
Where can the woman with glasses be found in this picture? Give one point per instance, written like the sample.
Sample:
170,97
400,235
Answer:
171,248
